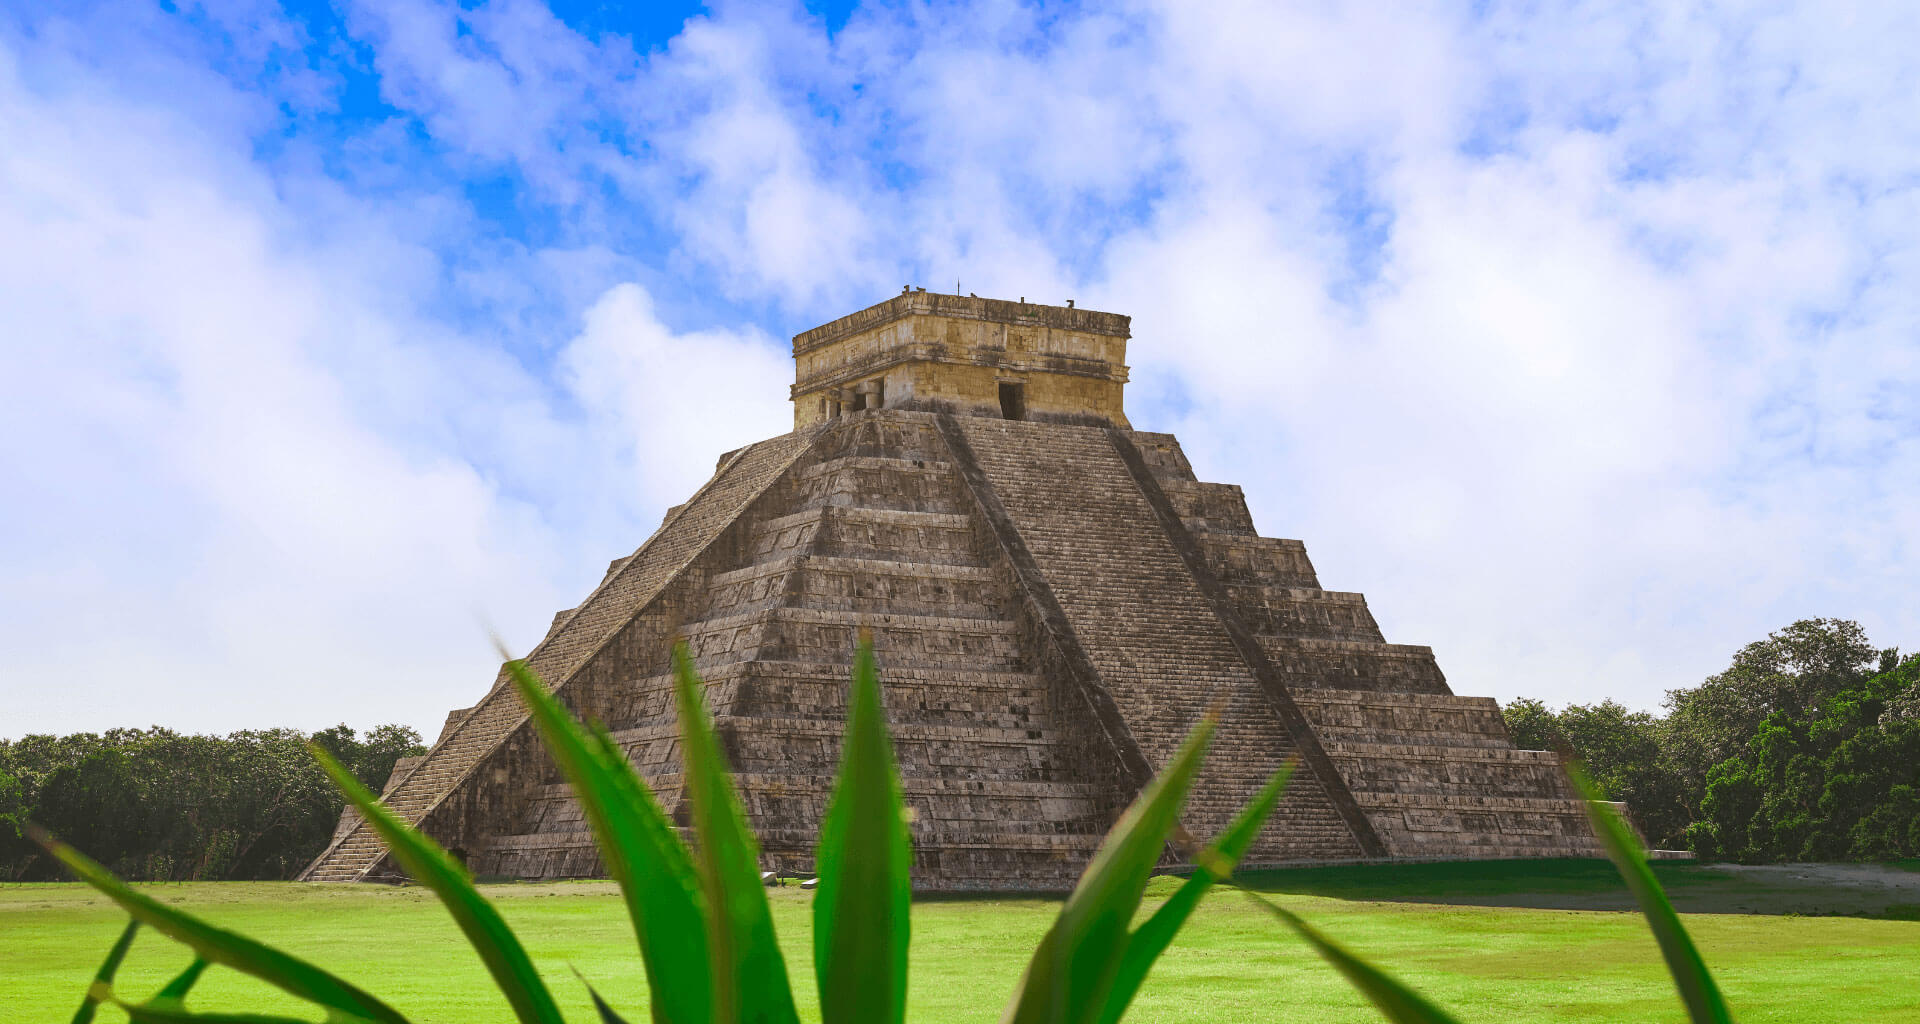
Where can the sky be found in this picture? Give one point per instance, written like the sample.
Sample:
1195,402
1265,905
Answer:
1583,338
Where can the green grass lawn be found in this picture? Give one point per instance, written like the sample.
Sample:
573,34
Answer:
1529,941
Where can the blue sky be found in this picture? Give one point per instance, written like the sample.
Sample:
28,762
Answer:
1580,337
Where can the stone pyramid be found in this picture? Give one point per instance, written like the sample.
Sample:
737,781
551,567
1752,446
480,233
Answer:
1054,600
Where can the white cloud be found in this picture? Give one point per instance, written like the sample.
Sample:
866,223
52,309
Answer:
1580,337
255,480
679,400
1577,434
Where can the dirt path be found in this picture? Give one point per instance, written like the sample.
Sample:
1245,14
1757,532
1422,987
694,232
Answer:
1870,890
1878,878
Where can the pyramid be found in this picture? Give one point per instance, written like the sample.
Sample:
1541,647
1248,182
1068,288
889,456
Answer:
1055,600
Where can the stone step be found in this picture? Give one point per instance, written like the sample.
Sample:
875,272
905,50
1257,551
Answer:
819,689
1312,663
1163,456
872,481
808,747
1030,706
1502,755
1284,611
812,746
855,532
911,786
860,584
1251,559
1394,799
1210,508
1406,739
825,635
1403,719
1432,772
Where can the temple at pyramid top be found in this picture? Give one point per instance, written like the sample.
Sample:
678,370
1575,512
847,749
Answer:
963,354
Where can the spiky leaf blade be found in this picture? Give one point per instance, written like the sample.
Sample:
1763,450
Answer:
606,1012
642,852
288,973
749,977
102,986
1702,997
1399,1003
433,867
1068,978
163,1013
1214,864
176,990
860,929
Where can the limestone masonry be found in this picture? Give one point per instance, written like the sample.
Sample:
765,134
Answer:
1054,599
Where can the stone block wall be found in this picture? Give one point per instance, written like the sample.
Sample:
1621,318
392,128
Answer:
926,351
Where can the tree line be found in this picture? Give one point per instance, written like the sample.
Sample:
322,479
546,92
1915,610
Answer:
1807,747
157,805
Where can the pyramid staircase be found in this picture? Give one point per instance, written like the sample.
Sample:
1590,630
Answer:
493,734
1436,774
873,532
1154,638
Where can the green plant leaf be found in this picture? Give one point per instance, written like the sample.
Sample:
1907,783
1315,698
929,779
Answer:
860,927
220,946
1214,864
642,852
161,1013
749,978
182,983
434,868
607,1014
102,986
1400,1004
1075,966
1690,975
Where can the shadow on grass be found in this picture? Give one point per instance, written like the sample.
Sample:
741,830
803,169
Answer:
1884,891
1855,890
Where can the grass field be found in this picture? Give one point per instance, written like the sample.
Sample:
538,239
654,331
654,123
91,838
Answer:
1528,941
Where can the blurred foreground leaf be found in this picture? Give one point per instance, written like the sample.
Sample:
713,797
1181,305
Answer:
1401,1004
749,977
288,973
436,869
641,851
1690,975
1073,970
1212,865
860,928
103,978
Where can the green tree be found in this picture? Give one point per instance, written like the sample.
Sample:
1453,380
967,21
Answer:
1838,780
14,847
1795,670
98,801
1622,751
1532,725
156,804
